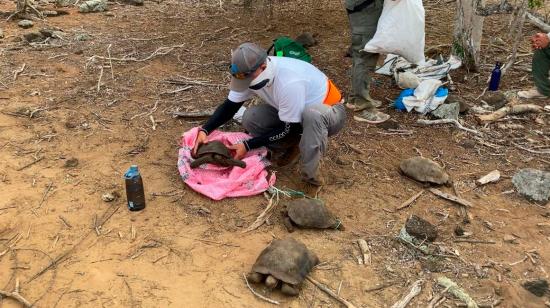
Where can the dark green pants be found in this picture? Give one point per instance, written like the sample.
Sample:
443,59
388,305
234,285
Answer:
541,69
363,26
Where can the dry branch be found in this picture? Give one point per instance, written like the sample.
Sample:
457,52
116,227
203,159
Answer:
537,22
449,197
193,115
264,215
161,51
269,300
414,291
330,292
410,200
365,251
15,295
30,164
448,121
457,291
504,111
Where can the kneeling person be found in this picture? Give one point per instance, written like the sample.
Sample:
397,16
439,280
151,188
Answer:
301,107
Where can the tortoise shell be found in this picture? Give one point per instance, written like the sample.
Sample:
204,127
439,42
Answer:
287,260
215,152
311,213
424,170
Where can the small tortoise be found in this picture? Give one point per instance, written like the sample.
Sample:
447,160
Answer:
309,213
215,152
288,261
424,170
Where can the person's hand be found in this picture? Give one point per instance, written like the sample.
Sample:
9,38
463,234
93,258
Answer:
201,139
540,41
240,150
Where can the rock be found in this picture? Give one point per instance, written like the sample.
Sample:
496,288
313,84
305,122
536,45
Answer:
447,111
135,2
306,39
342,161
495,99
110,14
1,34
54,33
91,6
389,124
538,286
110,196
491,177
510,239
71,163
78,52
25,24
464,107
533,184
83,37
34,37
420,228
424,170
459,231
467,143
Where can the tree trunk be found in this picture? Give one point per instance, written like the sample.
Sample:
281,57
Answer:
468,30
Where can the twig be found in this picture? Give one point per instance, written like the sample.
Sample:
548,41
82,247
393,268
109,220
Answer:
330,292
110,61
465,240
410,200
457,291
15,295
364,247
259,295
537,22
449,197
414,291
146,113
161,51
264,215
45,195
211,242
530,150
19,71
355,149
195,114
65,222
30,164
436,299
99,79
380,287
514,109
448,121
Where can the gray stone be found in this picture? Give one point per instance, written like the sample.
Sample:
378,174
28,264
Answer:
93,6
447,111
25,24
34,37
135,2
421,229
83,37
495,99
533,184
49,13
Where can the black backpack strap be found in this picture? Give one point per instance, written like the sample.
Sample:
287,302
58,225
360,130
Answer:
269,49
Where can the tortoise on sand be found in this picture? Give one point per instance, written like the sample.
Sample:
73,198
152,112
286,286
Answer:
309,213
424,170
287,261
215,152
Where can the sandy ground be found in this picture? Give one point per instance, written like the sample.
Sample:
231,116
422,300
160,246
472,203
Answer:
177,254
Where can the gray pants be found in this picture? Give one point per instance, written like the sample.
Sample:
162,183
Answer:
319,121
363,27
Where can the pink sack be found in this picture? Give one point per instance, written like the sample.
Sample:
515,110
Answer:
220,182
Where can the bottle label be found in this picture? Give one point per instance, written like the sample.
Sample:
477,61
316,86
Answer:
130,204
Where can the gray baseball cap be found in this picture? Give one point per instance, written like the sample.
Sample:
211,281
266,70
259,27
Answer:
245,60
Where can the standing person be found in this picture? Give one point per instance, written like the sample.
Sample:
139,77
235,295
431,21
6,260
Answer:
301,108
540,67
363,18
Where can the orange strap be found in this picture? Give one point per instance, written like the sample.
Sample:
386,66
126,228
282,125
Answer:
333,96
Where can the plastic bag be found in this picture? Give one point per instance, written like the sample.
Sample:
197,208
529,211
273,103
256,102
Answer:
400,30
426,97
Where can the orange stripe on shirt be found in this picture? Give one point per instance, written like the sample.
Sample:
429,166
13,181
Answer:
333,96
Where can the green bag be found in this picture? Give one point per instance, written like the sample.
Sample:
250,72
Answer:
284,46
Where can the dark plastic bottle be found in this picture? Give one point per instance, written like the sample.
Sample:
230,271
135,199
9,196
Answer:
134,189
495,78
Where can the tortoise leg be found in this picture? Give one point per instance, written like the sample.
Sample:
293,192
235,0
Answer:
271,282
288,289
288,224
236,162
199,161
255,277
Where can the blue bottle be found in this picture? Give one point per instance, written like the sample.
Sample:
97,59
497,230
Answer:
495,78
134,189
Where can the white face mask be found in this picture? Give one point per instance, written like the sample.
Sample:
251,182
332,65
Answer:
265,78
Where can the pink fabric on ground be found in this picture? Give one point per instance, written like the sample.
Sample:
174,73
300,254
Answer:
220,182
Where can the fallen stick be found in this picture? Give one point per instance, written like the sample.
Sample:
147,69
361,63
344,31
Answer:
530,150
537,22
30,164
452,198
330,292
364,247
410,200
465,240
15,295
414,291
379,287
194,114
448,121
514,109
457,291
19,71
161,51
269,300
264,215
355,149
